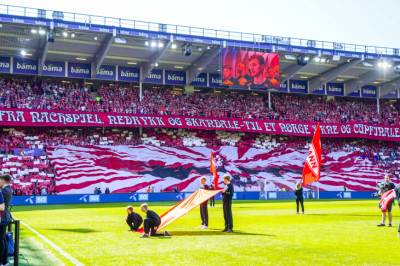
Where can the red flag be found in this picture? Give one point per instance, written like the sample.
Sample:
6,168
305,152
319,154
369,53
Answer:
386,199
213,169
312,167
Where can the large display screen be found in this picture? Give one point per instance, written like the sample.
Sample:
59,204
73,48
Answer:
244,68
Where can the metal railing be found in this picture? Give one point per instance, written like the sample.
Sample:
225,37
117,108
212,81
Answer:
191,31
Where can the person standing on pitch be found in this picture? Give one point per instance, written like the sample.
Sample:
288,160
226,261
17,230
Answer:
212,200
397,190
134,220
203,206
299,197
384,187
6,195
227,195
3,231
151,222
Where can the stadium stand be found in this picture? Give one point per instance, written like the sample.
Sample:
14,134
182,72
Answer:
41,174
35,174
124,99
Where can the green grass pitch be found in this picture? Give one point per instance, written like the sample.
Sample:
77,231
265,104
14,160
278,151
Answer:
266,233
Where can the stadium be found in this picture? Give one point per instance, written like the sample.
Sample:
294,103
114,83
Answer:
100,113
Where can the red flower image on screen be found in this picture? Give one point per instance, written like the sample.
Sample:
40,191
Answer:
241,68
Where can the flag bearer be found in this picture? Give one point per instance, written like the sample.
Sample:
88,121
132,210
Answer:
227,195
203,206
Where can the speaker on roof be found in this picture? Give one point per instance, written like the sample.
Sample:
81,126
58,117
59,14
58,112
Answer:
302,60
187,49
50,36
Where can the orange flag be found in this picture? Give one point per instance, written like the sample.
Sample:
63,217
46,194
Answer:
213,169
184,206
312,167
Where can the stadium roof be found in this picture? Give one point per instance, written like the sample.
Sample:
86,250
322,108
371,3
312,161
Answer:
103,40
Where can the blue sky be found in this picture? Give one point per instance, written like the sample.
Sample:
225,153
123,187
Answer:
370,22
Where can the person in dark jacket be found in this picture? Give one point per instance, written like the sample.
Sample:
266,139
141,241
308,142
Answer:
5,216
298,191
212,200
203,206
151,222
134,220
397,190
227,195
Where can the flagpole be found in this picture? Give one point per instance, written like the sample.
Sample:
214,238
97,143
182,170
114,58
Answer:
318,189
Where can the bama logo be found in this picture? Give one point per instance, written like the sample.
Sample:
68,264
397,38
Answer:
312,160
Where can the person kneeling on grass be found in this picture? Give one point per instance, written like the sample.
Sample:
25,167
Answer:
151,222
134,220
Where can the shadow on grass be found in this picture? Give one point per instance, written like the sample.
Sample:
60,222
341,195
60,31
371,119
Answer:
215,232
74,230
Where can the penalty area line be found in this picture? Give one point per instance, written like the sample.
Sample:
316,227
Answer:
53,245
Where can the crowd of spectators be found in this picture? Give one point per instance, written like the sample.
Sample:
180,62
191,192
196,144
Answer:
339,109
122,98
33,174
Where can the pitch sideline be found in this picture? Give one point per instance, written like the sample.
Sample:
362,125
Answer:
53,245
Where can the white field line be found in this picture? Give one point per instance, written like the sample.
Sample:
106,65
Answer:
54,246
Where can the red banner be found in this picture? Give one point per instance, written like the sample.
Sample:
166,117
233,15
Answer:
44,118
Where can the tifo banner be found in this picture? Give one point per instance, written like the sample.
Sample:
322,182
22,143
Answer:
126,168
43,118
186,205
